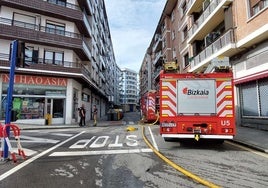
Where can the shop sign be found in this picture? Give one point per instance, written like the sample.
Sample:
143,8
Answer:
36,80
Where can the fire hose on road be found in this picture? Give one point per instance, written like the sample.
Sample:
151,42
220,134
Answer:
177,167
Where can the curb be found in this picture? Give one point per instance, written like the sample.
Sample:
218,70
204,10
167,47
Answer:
252,146
38,127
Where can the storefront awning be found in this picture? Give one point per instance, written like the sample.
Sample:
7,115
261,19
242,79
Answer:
248,78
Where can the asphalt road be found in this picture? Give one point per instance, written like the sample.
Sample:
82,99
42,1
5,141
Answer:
114,157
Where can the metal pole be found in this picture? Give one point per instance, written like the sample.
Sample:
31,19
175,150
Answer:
14,47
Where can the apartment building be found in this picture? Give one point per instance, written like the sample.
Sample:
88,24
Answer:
194,33
70,56
129,90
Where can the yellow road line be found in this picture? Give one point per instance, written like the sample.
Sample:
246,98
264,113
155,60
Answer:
177,167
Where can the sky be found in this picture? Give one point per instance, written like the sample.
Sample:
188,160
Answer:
132,25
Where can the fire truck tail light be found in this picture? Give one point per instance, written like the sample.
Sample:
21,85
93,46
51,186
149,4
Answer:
209,127
227,130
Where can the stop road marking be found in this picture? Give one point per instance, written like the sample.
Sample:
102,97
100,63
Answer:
101,141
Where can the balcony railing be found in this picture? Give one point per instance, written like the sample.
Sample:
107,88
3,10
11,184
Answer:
87,24
62,66
224,40
30,60
157,44
76,40
158,56
39,28
207,12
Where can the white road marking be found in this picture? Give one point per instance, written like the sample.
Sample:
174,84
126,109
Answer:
97,144
19,166
102,152
154,142
81,143
32,139
62,134
27,152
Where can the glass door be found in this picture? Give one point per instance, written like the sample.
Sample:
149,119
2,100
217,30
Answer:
55,109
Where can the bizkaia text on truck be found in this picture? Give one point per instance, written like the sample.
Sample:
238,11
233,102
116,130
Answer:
197,106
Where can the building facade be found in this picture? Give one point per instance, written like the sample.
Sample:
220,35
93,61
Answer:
194,33
129,90
70,56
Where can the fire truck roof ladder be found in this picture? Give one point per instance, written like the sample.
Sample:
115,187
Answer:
218,65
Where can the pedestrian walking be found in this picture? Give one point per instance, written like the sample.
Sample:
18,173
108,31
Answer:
95,113
82,114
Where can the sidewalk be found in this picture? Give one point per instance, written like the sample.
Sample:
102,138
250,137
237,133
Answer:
251,137
254,138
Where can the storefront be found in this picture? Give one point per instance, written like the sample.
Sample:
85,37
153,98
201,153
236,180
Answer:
36,99
251,81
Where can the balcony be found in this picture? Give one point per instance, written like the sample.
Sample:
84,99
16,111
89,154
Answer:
157,43
66,11
46,66
11,29
158,59
156,73
212,15
223,46
42,67
87,5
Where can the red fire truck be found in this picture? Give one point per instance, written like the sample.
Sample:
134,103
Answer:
197,106
149,107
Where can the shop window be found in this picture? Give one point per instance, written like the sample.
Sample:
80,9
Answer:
25,108
55,58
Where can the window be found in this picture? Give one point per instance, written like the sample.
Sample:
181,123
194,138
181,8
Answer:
185,32
55,28
58,2
174,53
23,20
265,3
173,35
184,7
29,54
186,60
255,9
257,5
53,57
172,16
